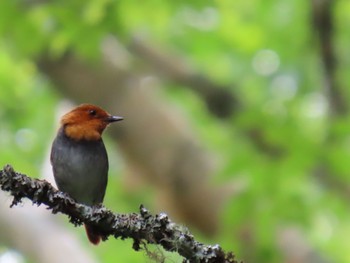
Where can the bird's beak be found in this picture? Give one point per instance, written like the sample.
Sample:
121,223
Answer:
113,118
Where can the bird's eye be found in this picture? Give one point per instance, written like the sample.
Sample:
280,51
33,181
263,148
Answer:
92,112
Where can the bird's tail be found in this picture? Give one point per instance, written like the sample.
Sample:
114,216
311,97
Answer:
92,234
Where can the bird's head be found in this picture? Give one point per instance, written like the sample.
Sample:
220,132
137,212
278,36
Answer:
87,122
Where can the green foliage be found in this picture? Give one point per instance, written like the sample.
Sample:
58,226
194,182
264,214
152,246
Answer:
25,113
275,149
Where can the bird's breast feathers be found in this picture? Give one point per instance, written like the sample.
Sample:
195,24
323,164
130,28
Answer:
80,168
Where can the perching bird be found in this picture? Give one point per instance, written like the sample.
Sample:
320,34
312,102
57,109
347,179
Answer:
79,158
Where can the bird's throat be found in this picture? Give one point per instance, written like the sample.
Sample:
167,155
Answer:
81,132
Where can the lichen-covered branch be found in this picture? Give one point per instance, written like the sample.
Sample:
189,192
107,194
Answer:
142,227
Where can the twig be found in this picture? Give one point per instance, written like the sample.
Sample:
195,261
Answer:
142,227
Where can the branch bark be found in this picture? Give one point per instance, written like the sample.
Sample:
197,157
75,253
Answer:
143,228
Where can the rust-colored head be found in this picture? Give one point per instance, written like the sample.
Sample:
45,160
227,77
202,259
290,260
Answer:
87,122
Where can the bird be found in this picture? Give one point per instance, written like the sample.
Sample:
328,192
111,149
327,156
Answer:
79,158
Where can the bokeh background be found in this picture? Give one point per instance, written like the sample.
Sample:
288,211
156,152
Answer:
236,121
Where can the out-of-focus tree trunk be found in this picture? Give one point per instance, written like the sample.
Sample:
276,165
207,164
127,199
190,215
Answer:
322,12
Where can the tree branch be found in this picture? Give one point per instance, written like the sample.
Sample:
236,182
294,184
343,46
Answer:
220,99
143,228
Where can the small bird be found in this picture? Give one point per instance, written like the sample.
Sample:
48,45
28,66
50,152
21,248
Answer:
79,157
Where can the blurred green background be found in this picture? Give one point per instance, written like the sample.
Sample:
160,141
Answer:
236,108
